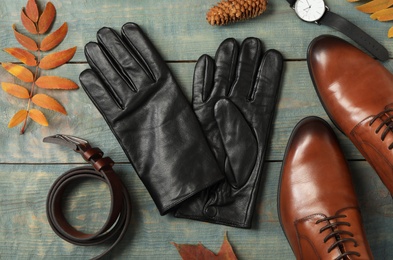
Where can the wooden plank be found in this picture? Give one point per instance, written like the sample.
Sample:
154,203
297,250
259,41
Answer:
297,100
178,27
25,233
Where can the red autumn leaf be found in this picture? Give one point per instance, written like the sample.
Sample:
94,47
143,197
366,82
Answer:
32,10
55,82
27,23
38,117
19,71
57,59
46,18
15,90
17,118
54,39
22,55
48,102
25,41
196,252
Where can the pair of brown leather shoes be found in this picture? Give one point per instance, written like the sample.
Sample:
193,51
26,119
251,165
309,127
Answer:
318,208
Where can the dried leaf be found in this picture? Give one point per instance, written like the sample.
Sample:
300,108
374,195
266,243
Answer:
57,59
19,71
32,10
390,32
196,252
383,15
25,41
22,55
54,39
38,117
374,6
15,90
55,82
18,118
46,18
27,23
48,102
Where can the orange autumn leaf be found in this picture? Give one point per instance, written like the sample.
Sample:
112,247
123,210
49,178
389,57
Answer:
54,39
374,6
25,41
45,101
22,55
17,118
390,32
27,23
15,90
19,71
38,117
383,15
32,10
57,59
196,252
46,18
55,82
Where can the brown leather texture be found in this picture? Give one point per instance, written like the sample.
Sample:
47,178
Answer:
318,208
119,216
357,94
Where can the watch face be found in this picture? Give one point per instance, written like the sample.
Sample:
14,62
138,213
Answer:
310,10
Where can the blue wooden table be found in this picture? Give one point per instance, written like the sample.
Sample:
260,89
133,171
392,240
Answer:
178,28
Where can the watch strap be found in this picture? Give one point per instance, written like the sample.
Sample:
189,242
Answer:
355,33
291,2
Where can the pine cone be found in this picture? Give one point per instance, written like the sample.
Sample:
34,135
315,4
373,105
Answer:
228,11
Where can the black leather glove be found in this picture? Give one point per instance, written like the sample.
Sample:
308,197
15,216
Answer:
137,95
234,98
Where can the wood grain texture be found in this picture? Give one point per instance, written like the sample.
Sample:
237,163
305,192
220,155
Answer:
178,28
25,233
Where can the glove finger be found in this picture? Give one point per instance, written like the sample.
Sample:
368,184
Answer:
226,57
132,67
248,63
137,40
99,94
239,142
203,79
268,79
114,81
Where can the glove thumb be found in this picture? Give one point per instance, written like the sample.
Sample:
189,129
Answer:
239,142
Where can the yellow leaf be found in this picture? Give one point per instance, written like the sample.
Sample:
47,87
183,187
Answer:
374,6
15,90
25,41
55,82
18,118
390,32
383,15
46,18
57,59
19,71
48,102
38,117
22,55
54,39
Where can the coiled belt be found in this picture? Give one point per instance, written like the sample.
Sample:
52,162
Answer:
119,217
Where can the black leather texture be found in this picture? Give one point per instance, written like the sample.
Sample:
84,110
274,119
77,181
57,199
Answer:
355,33
136,93
234,98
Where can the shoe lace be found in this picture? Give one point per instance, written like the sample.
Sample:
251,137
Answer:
388,122
337,235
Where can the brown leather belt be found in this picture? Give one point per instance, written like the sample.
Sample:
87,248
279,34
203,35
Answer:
119,217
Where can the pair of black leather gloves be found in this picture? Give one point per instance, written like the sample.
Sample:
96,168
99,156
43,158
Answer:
203,162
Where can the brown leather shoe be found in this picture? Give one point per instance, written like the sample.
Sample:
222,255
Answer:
357,94
318,208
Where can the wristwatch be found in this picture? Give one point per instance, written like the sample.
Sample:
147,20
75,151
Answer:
317,12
